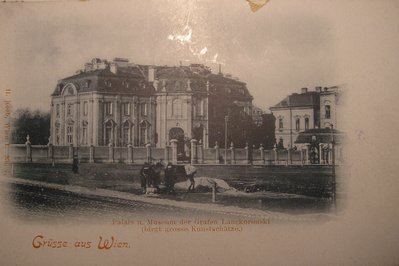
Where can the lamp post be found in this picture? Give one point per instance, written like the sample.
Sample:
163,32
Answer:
333,163
226,119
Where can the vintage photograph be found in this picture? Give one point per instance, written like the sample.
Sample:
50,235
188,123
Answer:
174,118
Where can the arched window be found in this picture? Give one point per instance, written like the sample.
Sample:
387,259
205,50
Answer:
126,133
297,124
306,123
108,133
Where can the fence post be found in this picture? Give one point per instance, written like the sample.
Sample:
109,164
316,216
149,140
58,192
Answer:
307,154
233,153
111,152
275,155
262,153
247,153
200,152
193,151
129,153
166,153
217,153
50,152
28,149
91,154
173,143
70,152
148,152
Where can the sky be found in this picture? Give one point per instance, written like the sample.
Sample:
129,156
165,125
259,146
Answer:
284,46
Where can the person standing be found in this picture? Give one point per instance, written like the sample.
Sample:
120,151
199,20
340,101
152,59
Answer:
170,178
190,172
144,176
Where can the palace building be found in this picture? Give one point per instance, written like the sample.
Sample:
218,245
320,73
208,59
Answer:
120,103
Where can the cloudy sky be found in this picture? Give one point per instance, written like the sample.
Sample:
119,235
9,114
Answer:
277,50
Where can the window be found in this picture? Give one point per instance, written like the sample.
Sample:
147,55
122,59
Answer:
176,107
126,108
297,124
143,107
280,124
57,110
85,108
108,108
143,135
327,111
108,133
306,123
108,83
70,109
126,134
57,134
69,134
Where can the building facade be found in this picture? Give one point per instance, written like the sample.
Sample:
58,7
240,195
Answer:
299,112
120,103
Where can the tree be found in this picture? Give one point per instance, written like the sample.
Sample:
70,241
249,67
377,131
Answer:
36,124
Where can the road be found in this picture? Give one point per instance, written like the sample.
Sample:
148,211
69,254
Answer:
34,203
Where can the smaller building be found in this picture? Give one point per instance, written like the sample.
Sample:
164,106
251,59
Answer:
306,110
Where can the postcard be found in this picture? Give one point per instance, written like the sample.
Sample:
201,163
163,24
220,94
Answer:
177,132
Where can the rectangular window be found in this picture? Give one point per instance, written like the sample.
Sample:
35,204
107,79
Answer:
70,134
85,108
297,124
126,108
280,124
144,109
57,110
327,111
70,109
108,108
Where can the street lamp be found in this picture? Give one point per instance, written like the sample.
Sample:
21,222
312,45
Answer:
226,119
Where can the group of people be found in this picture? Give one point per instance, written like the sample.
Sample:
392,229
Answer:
153,175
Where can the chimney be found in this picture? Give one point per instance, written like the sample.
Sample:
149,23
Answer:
113,67
318,89
304,90
121,62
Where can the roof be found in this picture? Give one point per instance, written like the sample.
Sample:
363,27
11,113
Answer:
87,81
321,135
308,99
